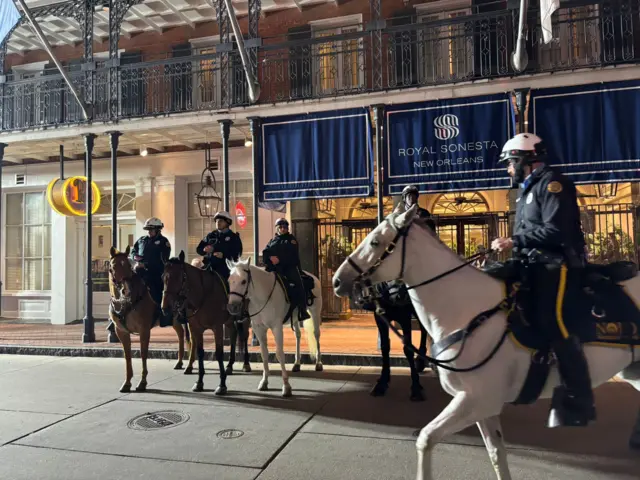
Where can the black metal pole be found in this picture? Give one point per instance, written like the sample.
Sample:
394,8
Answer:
521,105
61,162
114,138
378,113
254,126
2,146
225,129
89,335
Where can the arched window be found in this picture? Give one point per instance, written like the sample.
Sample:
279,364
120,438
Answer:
466,203
367,208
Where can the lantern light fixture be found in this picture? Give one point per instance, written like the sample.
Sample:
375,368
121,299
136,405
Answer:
208,197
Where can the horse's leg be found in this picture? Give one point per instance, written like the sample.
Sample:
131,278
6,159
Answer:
192,350
261,332
278,335
232,353
456,416
125,339
145,336
416,388
197,338
218,332
382,384
296,330
422,349
180,332
491,431
246,367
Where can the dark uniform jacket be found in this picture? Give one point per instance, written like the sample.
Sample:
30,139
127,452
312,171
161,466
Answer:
152,253
548,217
425,215
285,247
228,243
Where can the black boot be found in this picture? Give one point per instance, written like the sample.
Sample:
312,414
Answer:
573,404
111,327
165,319
302,312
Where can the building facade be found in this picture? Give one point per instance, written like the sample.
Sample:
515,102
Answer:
165,74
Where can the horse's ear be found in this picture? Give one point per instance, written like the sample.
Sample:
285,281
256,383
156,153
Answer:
403,220
181,256
399,208
113,252
230,264
127,250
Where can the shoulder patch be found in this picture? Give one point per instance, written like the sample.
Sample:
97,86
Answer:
294,242
554,187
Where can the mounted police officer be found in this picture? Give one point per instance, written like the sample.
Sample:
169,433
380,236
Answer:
548,239
219,246
149,254
410,195
281,256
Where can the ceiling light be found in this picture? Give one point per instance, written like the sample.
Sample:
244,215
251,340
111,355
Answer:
144,152
247,142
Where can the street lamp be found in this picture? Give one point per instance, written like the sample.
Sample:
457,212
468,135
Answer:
208,198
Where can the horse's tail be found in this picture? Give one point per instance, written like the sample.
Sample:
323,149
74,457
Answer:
310,329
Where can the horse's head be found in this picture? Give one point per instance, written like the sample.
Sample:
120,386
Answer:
173,279
239,280
379,258
119,265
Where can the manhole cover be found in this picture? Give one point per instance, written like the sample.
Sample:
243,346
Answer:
230,434
153,421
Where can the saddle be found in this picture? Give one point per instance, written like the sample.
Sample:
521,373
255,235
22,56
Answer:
307,282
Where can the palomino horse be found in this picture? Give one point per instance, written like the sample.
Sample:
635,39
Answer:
447,295
263,295
204,295
132,310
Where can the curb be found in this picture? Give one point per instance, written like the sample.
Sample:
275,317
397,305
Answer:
338,359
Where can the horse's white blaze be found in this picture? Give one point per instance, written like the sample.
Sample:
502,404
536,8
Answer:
269,312
449,304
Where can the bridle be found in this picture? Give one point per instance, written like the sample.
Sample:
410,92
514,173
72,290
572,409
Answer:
181,295
245,300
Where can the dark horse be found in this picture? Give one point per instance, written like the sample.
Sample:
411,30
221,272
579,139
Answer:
393,297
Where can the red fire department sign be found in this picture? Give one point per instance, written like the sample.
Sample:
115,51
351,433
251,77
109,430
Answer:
241,215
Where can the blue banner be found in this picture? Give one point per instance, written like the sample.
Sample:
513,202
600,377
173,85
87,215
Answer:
447,145
316,155
9,17
592,131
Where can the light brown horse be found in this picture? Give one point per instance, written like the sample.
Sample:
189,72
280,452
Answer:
204,296
133,311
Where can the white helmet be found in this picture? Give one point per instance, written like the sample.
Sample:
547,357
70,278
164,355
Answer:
282,221
410,189
524,146
224,216
153,223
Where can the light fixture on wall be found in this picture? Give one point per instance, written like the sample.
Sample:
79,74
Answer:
208,198
606,190
144,152
248,142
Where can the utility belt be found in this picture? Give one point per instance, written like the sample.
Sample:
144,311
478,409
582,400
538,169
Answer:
536,256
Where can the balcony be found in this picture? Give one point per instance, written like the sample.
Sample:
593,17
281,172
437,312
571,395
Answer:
421,50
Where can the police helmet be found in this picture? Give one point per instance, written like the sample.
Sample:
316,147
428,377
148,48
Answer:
282,221
225,216
525,147
153,223
410,189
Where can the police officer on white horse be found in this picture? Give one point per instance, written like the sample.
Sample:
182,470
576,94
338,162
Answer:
410,195
281,255
548,239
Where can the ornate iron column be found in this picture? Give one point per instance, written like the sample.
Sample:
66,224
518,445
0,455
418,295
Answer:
89,335
254,41
2,147
114,138
520,96
84,16
225,129
224,47
378,113
254,126
375,26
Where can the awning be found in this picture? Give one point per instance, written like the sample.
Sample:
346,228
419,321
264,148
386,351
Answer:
592,132
448,145
318,155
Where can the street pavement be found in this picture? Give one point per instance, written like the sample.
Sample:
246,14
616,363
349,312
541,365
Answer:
63,418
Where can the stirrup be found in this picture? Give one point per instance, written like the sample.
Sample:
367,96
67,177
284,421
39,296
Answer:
563,414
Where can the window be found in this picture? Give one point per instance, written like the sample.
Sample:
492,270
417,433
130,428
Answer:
198,227
28,242
338,64
126,203
207,78
445,50
460,204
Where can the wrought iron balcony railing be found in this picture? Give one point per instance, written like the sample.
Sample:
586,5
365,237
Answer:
411,52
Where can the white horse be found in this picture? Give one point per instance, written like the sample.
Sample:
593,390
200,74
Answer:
448,304
267,306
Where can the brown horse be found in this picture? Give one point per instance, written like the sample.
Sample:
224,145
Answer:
205,297
133,311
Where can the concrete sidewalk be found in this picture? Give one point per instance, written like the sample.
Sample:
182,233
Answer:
63,418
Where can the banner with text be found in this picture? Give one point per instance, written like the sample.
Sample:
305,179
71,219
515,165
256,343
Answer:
316,155
592,132
447,145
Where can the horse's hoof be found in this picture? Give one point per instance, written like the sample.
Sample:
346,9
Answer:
417,396
319,367
296,367
142,387
188,371
246,368
126,388
198,387
178,366
229,370
420,365
220,390
286,391
379,389
263,387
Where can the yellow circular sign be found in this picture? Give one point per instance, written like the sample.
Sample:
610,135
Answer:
69,196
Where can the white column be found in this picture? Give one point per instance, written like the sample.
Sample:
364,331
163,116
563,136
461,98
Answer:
181,194
143,203
64,262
